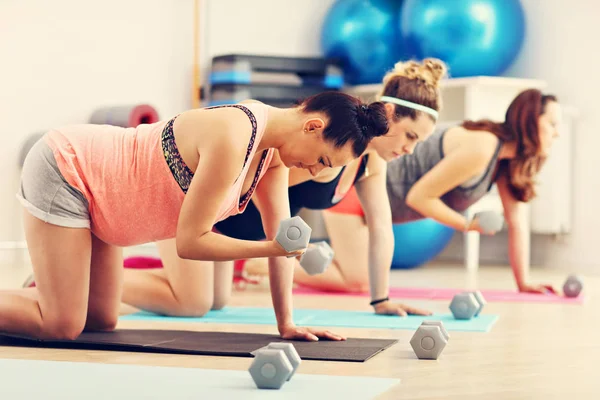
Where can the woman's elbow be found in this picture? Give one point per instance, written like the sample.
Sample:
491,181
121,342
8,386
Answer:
183,249
413,199
187,247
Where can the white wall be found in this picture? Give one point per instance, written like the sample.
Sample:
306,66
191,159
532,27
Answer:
63,58
560,48
267,27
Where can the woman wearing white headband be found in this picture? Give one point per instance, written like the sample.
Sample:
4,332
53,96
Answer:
412,110
451,171
446,174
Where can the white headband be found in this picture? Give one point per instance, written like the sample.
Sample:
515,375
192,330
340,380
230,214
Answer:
410,104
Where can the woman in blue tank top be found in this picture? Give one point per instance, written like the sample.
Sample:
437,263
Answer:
455,168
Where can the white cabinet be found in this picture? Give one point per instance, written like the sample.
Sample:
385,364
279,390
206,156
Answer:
489,97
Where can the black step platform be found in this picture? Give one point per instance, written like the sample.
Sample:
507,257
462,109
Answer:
292,71
276,95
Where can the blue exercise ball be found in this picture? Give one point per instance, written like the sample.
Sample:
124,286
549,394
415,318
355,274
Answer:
417,242
474,37
363,36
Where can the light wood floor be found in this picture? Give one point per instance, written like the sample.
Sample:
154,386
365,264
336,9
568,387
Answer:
534,351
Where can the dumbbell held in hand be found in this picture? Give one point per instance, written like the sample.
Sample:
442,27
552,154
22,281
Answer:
293,234
490,221
317,258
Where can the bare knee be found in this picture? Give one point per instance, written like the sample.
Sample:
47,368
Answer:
220,301
63,327
357,285
196,306
102,322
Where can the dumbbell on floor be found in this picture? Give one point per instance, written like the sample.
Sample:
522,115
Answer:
317,258
480,300
273,365
429,340
572,286
467,305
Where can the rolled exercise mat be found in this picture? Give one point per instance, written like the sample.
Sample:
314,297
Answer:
228,344
125,116
142,262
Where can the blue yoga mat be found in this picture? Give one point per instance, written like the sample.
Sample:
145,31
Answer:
99,381
329,318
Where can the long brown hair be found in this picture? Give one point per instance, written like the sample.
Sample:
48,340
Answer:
520,126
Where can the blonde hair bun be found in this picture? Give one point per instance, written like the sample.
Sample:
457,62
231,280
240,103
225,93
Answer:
430,70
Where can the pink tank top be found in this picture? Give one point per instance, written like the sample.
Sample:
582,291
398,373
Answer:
134,179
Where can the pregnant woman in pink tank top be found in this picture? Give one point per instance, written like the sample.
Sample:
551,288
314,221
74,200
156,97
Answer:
89,190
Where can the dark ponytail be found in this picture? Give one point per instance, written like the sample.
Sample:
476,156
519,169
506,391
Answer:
350,120
373,119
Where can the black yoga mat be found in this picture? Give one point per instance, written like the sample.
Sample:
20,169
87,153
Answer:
207,343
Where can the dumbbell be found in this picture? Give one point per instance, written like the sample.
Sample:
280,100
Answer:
429,340
572,286
490,221
274,364
317,258
467,305
294,234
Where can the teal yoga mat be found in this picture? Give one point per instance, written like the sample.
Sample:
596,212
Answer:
33,379
328,318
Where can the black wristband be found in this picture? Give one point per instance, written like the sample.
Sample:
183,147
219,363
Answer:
379,301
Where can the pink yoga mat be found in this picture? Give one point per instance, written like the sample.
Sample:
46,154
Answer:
491,295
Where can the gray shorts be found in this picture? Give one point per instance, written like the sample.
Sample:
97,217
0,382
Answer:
45,193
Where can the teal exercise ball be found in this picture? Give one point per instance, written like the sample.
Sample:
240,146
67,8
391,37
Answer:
363,37
418,242
473,37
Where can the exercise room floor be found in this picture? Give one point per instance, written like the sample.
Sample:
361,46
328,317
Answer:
534,351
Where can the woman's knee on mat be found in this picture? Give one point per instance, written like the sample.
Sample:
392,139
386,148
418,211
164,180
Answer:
356,282
220,300
102,321
63,327
192,305
357,285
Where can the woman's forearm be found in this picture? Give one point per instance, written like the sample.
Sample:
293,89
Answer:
518,250
281,279
381,251
436,209
216,247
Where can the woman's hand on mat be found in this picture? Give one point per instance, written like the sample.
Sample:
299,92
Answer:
542,289
312,335
389,308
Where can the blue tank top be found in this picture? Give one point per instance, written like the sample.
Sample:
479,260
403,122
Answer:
310,194
404,172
